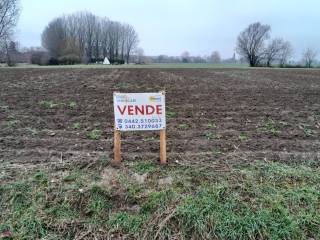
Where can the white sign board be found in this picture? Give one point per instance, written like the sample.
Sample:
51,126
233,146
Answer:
139,111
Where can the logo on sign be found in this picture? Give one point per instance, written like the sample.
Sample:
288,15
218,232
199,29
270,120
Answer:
155,98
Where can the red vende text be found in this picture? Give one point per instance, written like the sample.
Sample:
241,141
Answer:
140,110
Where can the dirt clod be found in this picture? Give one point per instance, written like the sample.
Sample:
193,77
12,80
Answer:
165,181
140,178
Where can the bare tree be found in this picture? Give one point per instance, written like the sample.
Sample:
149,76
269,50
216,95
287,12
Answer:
91,22
130,41
11,48
80,33
273,50
105,28
309,57
185,57
215,57
278,50
285,53
9,12
140,56
251,43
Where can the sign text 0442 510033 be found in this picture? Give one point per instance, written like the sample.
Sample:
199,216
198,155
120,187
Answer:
139,111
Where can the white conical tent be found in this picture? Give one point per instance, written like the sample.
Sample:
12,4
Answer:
106,61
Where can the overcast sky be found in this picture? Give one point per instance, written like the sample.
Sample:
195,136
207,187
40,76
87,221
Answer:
173,26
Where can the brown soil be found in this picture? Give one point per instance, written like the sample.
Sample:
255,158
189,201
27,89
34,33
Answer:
217,116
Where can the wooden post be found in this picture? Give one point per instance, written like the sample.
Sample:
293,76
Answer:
117,147
163,147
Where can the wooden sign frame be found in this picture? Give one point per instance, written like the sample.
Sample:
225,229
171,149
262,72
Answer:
117,144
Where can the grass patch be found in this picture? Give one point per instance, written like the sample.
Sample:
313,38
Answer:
219,212
308,132
33,131
76,126
216,152
211,136
157,201
48,104
270,126
183,126
72,105
243,137
98,204
145,167
258,201
95,134
3,108
71,177
211,125
103,161
13,123
129,223
272,201
122,85
170,113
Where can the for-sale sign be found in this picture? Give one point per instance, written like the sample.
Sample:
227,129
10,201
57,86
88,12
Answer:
139,111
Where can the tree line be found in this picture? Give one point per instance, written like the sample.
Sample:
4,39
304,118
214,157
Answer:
256,48
88,38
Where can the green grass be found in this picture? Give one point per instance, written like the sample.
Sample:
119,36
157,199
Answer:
33,131
183,126
243,137
95,134
13,123
130,223
170,113
76,125
98,205
144,167
216,152
221,212
308,132
211,136
122,85
211,125
258,201
270,126
72,105
157,201
48,104
3,108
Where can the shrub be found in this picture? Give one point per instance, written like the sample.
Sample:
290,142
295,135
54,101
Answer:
70,59
292,66
40,58
117,61
53,61
11,62
96,60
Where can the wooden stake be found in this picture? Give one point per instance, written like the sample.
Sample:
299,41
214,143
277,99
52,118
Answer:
163,147
117,147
